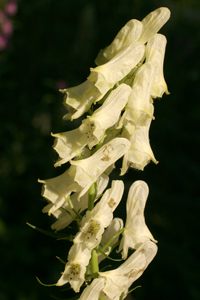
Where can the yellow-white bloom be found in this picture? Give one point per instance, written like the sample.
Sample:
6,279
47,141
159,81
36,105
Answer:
139,106
66,145
140,152
87,171
92,291
155,52
153,22
80,176
71,143
134,31
75,269
107,115
65,214
115,225
79,98
104,77
58,189
119,280
96,220
127,35
136,231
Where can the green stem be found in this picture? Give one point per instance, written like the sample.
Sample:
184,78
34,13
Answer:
110,241
92,195
72,208
94,262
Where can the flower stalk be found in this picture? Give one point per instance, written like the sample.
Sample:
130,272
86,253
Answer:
125,82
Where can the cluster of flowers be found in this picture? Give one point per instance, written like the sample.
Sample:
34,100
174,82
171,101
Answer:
129,74
6,26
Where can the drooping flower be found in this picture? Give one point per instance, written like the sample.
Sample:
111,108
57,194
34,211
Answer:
140,152
139,106
119,280
80,176
66,145
96,220
66,214
75,269
104,77
71,143
136,231
107,115
134,31
155,52
78,99
84,172
58,189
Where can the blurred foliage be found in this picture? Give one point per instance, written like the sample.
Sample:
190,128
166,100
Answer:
53,45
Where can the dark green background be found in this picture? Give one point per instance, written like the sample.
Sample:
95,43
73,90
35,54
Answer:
59,40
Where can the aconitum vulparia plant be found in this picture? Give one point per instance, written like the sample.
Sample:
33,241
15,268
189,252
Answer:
117,100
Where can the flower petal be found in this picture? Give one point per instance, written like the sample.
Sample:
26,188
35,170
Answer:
85,173
66,145
93,224
64,218
75,269
127,35
57,189
80,98
104,77
92,291
119,280
136,232
153,22
140,152
139,107
155,52
108,113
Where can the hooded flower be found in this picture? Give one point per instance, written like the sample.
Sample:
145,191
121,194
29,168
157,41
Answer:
66,145
153,22
71,143
107,115
65,214
134,31
74,273
139,106
155,52
119,280
126,36
104,77
78,99
96,220
136,231
84,172
58,189
140,152
80,176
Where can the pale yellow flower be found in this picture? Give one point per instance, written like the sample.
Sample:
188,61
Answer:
155,52
104,77
136,231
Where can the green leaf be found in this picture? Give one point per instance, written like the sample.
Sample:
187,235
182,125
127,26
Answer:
52,234
53,284
114,259
61,260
